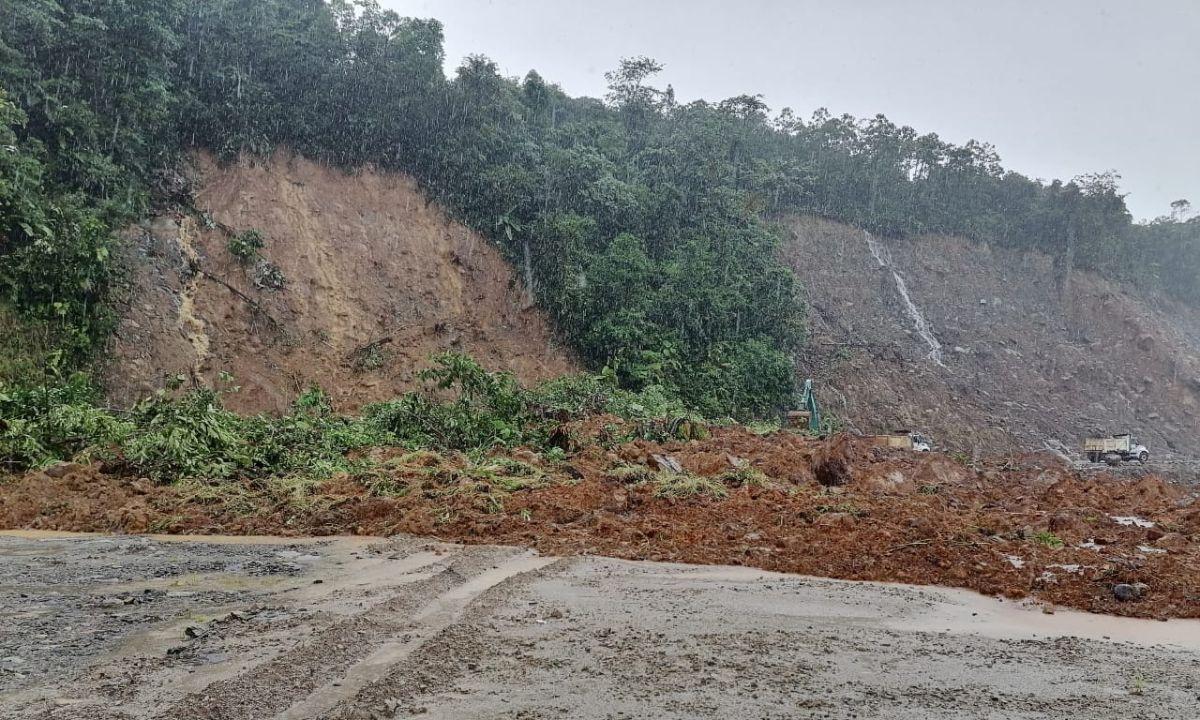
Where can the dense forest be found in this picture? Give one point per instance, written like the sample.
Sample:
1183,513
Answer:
642,225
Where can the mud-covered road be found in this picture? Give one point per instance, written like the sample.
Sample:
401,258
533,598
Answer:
137,627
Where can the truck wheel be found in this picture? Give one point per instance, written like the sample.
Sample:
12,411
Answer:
1092,457
1143,456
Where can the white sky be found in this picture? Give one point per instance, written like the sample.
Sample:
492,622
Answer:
1060,87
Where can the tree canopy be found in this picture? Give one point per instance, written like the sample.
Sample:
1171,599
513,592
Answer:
642,225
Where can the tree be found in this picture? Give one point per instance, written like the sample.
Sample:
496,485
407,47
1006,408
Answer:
1180,209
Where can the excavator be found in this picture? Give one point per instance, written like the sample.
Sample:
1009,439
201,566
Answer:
809,416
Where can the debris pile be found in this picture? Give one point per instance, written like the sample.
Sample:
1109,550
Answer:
1018,527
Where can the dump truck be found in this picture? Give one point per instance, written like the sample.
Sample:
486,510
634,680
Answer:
904,439
1115,449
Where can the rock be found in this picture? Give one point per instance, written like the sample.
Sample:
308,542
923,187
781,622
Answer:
58,470
1126,592
667,463
195,631
110,602
555,614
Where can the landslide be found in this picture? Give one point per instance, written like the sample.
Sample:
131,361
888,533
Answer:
376,279
1029,526
1027,365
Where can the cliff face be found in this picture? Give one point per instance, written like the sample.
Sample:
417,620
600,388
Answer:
1023,364
375,279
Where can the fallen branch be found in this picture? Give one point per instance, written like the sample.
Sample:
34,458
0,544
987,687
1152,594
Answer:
254,304
916,543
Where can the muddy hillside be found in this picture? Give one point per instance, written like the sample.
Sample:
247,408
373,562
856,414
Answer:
360,278
986,351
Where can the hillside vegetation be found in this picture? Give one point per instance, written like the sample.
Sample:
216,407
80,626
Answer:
636,220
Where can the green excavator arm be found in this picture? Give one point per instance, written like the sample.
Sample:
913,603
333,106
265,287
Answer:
808,401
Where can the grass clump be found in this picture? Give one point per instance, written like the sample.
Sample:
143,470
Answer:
763,428
745,476
674,485
629,474
1049,539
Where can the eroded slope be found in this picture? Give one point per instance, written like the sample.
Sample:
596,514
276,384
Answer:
1023,368
376,279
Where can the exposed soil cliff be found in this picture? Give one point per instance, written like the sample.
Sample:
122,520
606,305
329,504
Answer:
376,279
1024,365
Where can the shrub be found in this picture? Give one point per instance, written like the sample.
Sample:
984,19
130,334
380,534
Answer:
39,425
245,246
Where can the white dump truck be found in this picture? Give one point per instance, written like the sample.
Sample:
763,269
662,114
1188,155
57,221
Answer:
1115,449
904,439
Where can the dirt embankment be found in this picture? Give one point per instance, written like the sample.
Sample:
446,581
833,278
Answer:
1024,366
837,508
375,279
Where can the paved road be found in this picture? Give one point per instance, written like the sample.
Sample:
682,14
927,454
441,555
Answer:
130,627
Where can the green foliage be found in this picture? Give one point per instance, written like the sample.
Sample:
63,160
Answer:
244,247
1049,539
490,408
187,436
178,434
54,249
42,424
637,221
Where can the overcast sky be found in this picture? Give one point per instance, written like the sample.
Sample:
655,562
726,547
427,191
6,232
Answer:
1060,87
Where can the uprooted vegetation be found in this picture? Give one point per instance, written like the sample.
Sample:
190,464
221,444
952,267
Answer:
177,434
576,466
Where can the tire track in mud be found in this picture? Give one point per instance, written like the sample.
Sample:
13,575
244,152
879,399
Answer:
374,679
330,598
272,687
441,658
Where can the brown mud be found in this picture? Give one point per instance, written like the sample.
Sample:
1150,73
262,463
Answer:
1024,526
376,279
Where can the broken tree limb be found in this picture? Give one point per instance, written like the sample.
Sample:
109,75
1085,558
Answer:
254,304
